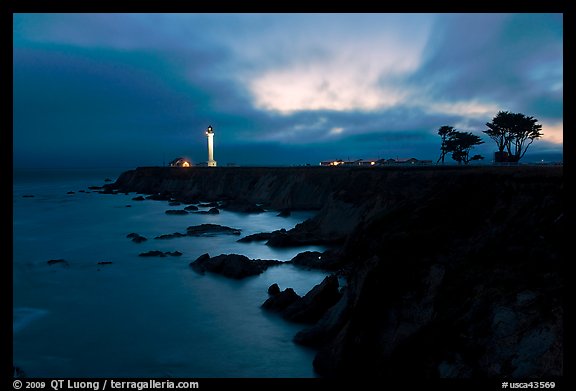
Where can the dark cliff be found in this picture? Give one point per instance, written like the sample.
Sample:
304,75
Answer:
453,271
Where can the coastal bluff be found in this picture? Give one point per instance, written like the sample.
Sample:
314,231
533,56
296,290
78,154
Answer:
451,272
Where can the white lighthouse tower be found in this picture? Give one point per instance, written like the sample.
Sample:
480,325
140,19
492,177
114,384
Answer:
210,135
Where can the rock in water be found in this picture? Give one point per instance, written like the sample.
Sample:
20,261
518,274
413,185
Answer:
281,301
210,229
232,265
273,289
256,237
58,262
136,238
199,264
315,303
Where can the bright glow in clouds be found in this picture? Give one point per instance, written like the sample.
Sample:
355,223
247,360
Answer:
287,91
553,132
349,72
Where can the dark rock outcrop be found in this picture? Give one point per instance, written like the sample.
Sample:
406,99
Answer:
136,238
242,206
315,303
210,229
161,196
281,301
283,238
294,238
138,198
306,309
259,237
202,230
327,260
430,297
171,236
231,265
191,208
284,213
61,262
105,263
273,289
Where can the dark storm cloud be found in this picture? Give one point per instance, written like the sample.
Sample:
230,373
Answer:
514,60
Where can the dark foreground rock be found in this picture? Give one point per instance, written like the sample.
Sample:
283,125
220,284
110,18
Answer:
241,206
284,213
281,300
294,238
191,208
161,196
309,308
284,238
429,298
327,260
232,265
454,271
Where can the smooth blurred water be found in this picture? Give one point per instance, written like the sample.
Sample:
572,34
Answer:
142,317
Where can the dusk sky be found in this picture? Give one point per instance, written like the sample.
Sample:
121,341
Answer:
127,90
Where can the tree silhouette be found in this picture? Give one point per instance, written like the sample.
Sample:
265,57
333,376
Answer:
460,144
444,132
513,133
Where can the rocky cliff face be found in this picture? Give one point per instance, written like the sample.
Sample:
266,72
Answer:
453,272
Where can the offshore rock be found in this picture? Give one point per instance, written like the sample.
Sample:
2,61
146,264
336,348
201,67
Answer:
280,301
231,265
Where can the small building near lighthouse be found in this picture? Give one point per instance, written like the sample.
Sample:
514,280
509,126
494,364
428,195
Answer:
180,162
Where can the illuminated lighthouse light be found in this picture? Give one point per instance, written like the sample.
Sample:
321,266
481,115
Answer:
210,135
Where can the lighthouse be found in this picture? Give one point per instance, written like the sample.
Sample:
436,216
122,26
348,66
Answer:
210,135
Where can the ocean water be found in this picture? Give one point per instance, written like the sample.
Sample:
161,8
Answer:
142,317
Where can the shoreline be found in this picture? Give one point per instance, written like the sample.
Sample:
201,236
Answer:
417,242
